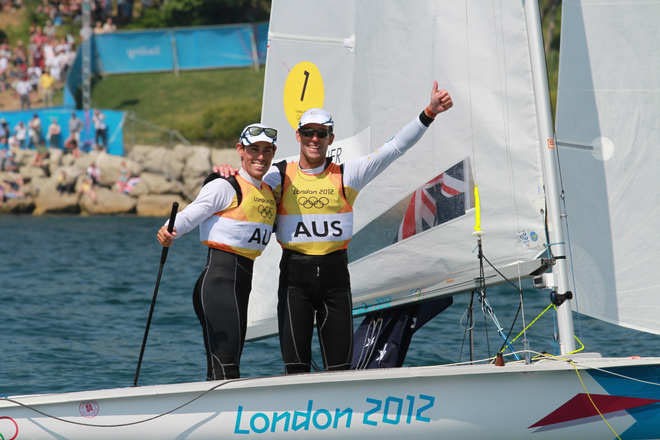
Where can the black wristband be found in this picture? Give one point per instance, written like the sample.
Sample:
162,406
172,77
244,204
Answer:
425,119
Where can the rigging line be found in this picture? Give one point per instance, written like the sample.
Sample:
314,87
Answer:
564,219
532,322
119,425
519,289
571,268
469,326
622,376
487,309
520,307
502,275
508,335
575,366
577,350
485,306
548,244
584,387
521,310
483,312
539,355
488,360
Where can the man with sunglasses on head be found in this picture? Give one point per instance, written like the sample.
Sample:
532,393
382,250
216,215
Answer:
235,216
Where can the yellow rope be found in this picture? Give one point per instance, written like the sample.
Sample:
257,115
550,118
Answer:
584,387
577,350
528,325
571,363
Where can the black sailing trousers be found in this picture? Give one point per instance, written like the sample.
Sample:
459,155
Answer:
315,287
220,300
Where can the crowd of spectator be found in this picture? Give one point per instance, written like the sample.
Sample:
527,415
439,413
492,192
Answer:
10,5
31,71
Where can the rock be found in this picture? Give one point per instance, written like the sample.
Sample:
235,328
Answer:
30,172
225,156
111,166
158,205
198,164
50,201
160,160
32,188
81,163
152,183
24,157
103,201
24,205
191,188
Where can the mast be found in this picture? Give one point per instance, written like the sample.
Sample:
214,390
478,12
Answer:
550,173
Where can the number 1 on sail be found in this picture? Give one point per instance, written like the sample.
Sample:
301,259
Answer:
302,94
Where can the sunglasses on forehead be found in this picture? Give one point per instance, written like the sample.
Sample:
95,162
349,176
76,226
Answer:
310,132
256,131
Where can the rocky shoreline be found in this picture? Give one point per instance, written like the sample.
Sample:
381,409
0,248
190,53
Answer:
143,183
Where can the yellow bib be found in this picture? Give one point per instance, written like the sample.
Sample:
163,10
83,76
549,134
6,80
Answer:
314,217
243,229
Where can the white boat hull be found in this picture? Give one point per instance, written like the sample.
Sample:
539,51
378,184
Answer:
544,400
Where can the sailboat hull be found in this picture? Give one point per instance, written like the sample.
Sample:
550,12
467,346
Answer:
545,400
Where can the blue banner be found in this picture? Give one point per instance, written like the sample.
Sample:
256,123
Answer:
182,48
113,119
216,47
213,48
128,52
261,34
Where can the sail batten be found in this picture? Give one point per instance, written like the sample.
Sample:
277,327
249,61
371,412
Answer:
343,41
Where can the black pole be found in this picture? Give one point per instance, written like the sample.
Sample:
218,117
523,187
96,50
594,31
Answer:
163,257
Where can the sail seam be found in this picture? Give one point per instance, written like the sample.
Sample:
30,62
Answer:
293,37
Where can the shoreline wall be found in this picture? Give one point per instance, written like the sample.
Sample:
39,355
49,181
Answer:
144,183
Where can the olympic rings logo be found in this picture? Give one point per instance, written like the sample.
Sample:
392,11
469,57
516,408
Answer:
313,202
266,211
13,427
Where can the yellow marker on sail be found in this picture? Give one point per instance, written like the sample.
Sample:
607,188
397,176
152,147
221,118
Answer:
477,212
303,89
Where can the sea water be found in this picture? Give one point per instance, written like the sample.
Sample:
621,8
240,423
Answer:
75,293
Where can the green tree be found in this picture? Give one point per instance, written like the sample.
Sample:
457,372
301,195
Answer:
181,13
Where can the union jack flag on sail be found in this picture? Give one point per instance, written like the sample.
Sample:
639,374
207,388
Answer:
438,200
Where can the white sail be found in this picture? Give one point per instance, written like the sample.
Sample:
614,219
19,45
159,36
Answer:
359,63
608,131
